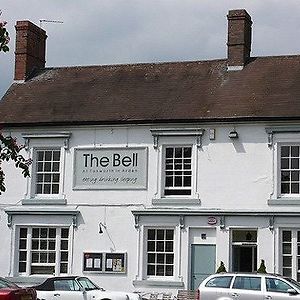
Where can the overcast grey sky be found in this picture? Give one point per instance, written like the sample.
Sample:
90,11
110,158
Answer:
97,32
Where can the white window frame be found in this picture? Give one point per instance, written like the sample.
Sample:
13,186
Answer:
163,171
280,194
45,140
175,251
294,250
29,250
176,137
161,174
277,137
34,173
157,252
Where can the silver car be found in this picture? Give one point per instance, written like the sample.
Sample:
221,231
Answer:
237,286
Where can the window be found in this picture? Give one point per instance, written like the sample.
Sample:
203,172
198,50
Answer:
290,253
47,171
220,282
160,252
277,285
43,250
247,283
66,285
289,170
178,171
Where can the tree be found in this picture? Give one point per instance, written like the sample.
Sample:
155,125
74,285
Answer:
4,36
9,149
262,267
221,268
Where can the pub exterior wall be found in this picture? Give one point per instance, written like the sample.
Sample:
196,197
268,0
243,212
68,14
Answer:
232,175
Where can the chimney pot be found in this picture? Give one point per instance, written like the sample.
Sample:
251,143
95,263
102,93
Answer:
30,51
239,38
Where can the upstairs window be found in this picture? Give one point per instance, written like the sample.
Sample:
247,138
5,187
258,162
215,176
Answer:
47,171
289,170
178,171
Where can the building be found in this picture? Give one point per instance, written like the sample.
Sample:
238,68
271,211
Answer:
150,175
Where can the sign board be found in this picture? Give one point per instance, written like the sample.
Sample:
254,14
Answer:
110,168
212,221
104,262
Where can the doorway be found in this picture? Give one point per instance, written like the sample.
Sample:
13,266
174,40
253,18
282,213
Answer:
244,250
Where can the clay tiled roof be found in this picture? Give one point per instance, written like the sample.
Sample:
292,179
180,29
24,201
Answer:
267,88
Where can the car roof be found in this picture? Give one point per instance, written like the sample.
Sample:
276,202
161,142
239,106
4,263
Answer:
247,274
48,283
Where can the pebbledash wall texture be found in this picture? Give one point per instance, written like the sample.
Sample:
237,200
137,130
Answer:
146,176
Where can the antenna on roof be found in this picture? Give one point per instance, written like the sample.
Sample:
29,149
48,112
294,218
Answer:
49,21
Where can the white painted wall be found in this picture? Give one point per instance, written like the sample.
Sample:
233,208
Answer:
232,174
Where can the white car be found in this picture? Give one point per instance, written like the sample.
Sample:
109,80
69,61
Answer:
237,286
78,288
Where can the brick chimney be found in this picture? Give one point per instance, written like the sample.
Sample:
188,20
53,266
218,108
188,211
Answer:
239,39
30,49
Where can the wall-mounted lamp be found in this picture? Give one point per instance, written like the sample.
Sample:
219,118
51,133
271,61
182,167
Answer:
101,227
233,134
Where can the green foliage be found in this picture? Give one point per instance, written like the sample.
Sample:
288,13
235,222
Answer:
262,267
4,37
221,268
10,151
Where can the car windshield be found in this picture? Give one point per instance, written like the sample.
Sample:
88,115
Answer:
6,284
294,282
87,284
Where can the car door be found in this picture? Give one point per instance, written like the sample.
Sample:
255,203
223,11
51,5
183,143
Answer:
277,289
246,288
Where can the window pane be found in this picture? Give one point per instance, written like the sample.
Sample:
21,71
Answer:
65,233
284,163
169,152
295,188
160,234
22,244
286,236
151,270
295,163
285,151
151,258
221,282
22,267
287,249
151,246
151,234
23,232
247,283
295,151
287,261
285,188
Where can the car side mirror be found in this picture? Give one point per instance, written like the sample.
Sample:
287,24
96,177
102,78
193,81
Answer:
292,292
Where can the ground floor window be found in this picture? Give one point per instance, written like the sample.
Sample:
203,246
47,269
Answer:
160,252
43,250
290,253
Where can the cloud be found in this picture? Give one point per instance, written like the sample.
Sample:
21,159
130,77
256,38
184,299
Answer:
129,31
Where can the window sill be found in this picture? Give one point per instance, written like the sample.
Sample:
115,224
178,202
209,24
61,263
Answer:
44,201
284,201
176,201
163,283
